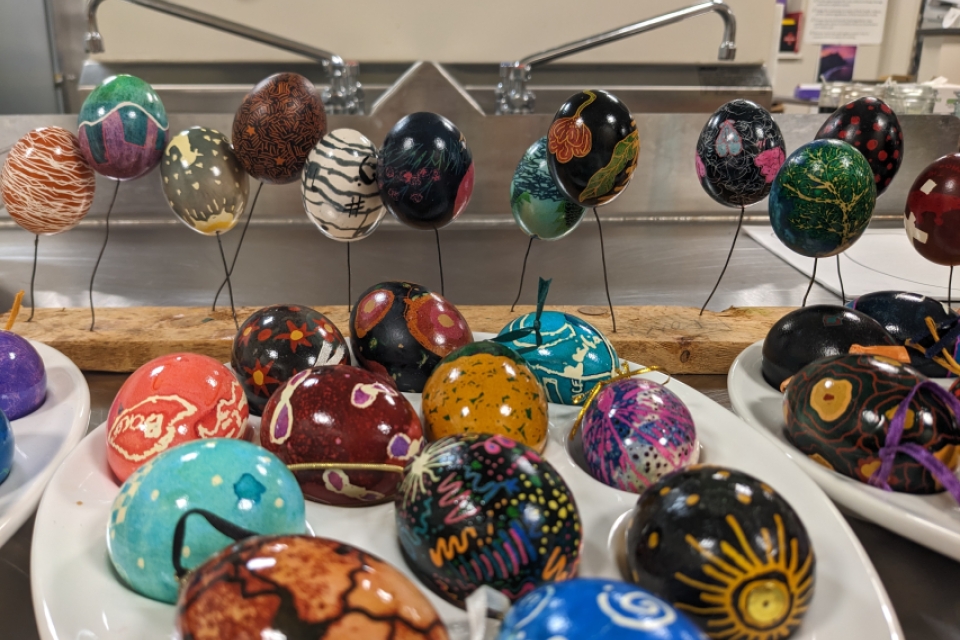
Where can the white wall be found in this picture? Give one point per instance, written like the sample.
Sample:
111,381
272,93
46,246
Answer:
445,30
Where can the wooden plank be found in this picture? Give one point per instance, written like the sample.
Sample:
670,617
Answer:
676,339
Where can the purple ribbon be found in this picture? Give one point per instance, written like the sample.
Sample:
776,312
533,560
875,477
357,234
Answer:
893,446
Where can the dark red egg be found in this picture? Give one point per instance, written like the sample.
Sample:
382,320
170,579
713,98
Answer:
874,130
340,414
933,211
279,341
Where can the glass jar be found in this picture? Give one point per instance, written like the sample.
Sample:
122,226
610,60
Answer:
907,99
830,96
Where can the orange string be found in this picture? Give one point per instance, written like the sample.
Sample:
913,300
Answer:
17,301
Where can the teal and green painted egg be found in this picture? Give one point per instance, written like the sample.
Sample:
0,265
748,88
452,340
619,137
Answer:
123,128
822,198
573,357
233,479
537,204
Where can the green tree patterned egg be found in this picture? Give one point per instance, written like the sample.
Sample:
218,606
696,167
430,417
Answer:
838,411
537,204
822,198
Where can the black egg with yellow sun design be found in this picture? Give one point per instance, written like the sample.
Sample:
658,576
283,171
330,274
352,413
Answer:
838,411
726,549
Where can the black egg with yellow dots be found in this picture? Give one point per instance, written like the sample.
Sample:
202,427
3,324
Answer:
726,549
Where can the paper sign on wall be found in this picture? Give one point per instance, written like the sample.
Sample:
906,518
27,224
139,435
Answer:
845,21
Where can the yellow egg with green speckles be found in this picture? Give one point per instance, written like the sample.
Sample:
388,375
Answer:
485,387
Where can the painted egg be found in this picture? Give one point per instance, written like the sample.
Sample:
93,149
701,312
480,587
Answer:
46,184
339,186
6,447
520,530
822,199
595,609
485,387
874,129
636,431
739,152
725,549
593,146
810,333
573,358
302,587
276,127
838,411
232,479
23,378
904,316
933,212
342,414
170,400
425,171
203,181
277,342
537,204
123,128
403,330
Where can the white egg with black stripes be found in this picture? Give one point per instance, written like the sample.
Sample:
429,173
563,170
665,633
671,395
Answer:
339,186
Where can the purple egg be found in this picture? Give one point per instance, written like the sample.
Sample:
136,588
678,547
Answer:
23,378
635,432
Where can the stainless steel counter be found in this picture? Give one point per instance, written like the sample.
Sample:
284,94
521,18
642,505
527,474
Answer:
650,263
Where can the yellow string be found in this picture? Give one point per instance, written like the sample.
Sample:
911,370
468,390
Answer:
345,466
14,311
623,373
945,360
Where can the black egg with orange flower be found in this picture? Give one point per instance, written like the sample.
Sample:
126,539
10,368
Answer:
279,341
840,412
592,148
403,330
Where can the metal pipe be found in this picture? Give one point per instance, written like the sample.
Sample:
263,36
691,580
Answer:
728,47
94,41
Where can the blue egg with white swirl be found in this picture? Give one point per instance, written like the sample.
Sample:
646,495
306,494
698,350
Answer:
339,186
573,358
593,608
6,447
233,479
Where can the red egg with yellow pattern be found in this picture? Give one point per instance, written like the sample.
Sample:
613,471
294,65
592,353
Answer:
325,420
403,330
168,401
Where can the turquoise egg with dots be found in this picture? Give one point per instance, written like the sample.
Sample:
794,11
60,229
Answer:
573,357
233,479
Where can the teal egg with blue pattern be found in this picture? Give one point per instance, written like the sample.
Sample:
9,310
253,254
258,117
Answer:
233,479
573,357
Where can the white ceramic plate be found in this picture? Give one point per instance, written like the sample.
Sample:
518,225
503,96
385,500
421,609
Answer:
76,594
933,520
43,439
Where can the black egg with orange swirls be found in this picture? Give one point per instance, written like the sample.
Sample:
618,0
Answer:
874,130
403,330
277,125
726,549
592,148
838,411
480,509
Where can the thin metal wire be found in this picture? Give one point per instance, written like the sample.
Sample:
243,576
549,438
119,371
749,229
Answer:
96,266
349,282
523,272
603,258
949,291
843,294
33,276
813,277
725,264
440,261
243,234
223,257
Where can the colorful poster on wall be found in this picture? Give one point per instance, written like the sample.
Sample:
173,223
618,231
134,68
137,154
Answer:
845,21
836,62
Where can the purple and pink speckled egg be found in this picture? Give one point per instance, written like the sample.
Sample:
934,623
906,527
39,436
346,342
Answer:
23,378
635,432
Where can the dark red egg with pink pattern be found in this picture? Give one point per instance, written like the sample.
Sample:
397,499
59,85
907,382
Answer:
874,130
323,422
932,215
403,330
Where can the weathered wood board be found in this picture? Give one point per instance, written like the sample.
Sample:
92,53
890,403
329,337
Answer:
676,339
